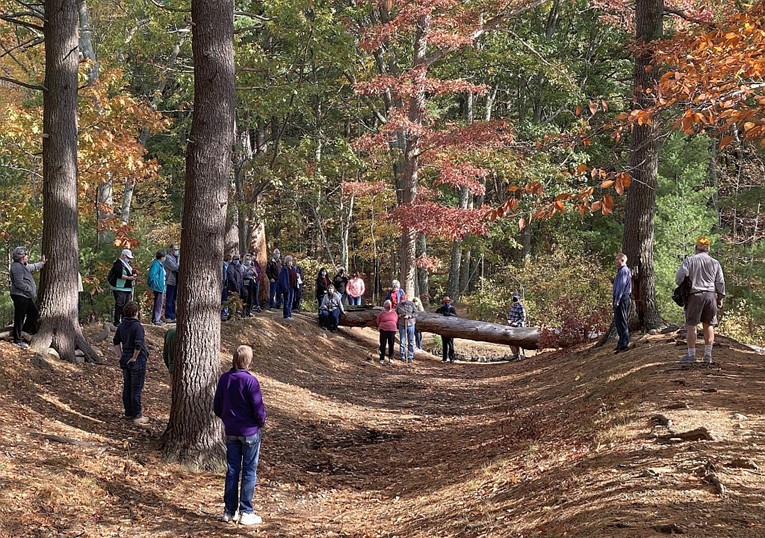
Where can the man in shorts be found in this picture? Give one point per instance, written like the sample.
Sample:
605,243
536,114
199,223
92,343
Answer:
707,292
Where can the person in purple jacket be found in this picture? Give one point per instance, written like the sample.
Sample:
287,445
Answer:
239,404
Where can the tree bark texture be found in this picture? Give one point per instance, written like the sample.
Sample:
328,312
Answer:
59,326
454,327
194,435
411,167
644,160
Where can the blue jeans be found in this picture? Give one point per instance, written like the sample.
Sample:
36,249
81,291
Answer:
330,320
354,301
133,378
287,298
242,454
621,319
406,335
170,302
274,300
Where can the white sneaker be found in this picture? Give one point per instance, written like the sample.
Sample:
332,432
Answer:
23,345
250,518
141,421
227,517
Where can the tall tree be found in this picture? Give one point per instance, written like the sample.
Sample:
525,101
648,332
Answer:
637,241
58,290
194,435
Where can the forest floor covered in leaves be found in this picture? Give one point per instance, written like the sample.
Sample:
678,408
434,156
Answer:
574,443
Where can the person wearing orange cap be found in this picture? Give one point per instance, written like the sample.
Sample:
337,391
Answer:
447,349
705,299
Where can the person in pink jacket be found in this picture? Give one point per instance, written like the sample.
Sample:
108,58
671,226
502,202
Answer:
387,323
355,289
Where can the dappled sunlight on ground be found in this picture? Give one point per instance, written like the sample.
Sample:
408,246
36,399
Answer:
560,444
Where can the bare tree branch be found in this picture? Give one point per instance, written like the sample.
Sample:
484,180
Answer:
12,18
24,84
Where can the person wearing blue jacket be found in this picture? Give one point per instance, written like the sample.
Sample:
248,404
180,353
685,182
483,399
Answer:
156,280
286,286
622,291
239,404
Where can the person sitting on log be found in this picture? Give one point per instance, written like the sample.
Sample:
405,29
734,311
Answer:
448,342
330,309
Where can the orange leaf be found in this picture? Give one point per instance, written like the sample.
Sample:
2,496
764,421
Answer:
596,206
607,184
521,223
593,107
559,206
749,125
608,201
581,169
578,111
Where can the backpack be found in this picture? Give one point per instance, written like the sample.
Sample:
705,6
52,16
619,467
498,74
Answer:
113,277
681,293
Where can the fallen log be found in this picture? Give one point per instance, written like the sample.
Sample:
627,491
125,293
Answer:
453,327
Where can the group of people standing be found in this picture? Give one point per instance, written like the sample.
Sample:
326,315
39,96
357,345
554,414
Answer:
399,314
286,284
161,278
703,276
242,278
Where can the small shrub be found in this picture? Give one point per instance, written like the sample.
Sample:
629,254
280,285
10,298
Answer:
578,323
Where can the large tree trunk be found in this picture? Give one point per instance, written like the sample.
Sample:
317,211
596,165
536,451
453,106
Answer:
483,331
194,435
423,286
411,168
644,159
59,326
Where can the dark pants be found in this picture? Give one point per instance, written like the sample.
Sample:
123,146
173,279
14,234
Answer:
418,339
387,338
242,454
621,318
274,299
170,302
296,300
157,313
330,320
287,298
133,377
447,348
25,316
121,298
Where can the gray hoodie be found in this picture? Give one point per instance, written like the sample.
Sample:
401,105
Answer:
22,281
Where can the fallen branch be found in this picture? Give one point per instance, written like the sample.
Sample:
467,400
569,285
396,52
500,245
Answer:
69,441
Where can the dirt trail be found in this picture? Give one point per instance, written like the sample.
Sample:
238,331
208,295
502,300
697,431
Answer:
562,444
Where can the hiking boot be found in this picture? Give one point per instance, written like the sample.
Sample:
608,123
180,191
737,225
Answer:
708,362
686,361
22,345
250,518
141,421
228,517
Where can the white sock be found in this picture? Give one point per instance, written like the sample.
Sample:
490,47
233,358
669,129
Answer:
692,352
707,350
